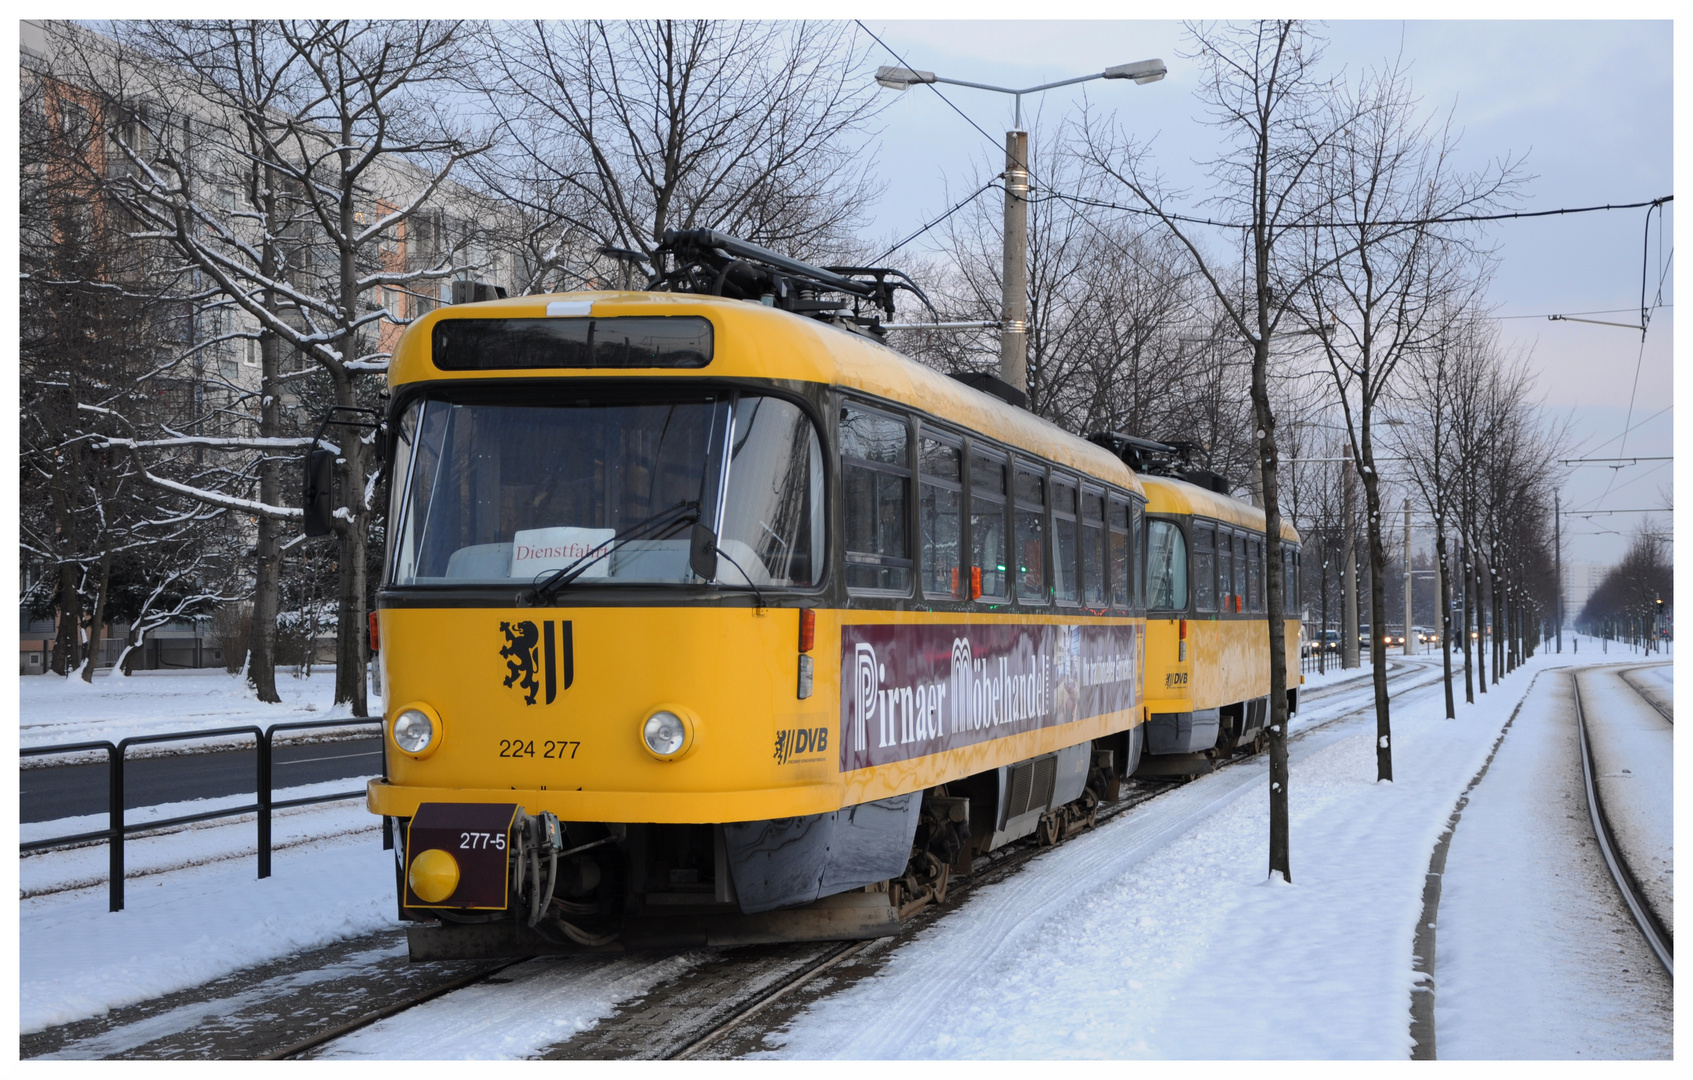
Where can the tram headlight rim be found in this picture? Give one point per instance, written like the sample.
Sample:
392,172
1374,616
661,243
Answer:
438,731
690,730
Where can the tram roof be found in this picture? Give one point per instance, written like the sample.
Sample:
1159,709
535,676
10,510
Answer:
1167,495
754,341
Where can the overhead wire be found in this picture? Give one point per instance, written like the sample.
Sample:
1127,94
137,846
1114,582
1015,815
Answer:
961,204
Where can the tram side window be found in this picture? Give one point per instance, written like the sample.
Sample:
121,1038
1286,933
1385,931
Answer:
1093,548
1240,571
1204,567
1117,522
1225,570
1064,541
942,496
1137,551
987,524
1290,578
876,483
1029,518
1255,575
1166,570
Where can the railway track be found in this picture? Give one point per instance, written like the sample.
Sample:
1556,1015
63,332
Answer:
1628,884
723,1006
1646,695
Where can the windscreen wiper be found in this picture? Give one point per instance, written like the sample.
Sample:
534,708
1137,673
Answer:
654,527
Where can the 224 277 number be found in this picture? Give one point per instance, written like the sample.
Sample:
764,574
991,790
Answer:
556,749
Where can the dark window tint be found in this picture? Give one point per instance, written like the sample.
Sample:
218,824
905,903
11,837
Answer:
876,486
1065,541
1119,555
1204,567
1255,575
1137,554
630,341
1093,548
942,567
1029,517
987,524
1240,571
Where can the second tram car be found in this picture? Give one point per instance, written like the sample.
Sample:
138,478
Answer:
1208,657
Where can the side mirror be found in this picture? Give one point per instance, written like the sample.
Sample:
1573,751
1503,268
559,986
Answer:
702,553
316,500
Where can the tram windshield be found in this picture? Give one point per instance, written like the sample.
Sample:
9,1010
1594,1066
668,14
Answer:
498,492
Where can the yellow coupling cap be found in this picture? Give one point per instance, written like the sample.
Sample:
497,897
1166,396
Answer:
434,876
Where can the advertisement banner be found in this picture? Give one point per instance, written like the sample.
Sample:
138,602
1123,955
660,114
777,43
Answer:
908,690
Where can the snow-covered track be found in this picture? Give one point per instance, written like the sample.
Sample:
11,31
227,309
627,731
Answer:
1656,934
1645,693
411,1001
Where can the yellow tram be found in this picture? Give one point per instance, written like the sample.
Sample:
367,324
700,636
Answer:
1207,655
707,621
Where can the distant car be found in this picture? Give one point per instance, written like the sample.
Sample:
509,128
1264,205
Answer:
1331,640
1427,635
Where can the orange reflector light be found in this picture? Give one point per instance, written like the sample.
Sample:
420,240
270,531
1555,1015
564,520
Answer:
1181,630
375,634
807,629
975,583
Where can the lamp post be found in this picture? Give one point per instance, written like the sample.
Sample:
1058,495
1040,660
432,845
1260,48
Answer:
1014,321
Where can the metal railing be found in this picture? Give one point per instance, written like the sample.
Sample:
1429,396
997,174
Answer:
263,804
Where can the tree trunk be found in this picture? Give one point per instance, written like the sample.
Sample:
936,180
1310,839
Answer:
1469,610
1445,612
95,627
1378,619
267,579
1275,604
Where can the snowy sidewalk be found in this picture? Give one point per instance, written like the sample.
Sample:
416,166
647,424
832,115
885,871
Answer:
1158,935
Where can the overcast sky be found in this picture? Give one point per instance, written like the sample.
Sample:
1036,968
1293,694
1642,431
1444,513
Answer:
1589,103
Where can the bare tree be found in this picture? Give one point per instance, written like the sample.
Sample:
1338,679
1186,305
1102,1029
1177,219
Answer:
1427,443
621,130
332,145
1391,275
1275,113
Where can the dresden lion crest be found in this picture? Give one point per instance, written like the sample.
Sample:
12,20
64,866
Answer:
519,655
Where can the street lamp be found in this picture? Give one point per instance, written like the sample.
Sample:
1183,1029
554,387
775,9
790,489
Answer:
1014,333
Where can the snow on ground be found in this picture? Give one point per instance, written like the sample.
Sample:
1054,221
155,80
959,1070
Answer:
181,929
58,710
1657,682
1536,956
560,996
1634,766
193,845
1158,935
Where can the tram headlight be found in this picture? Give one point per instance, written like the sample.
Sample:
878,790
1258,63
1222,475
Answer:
416,731
434,875
668,732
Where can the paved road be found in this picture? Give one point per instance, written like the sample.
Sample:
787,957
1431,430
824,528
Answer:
74,790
